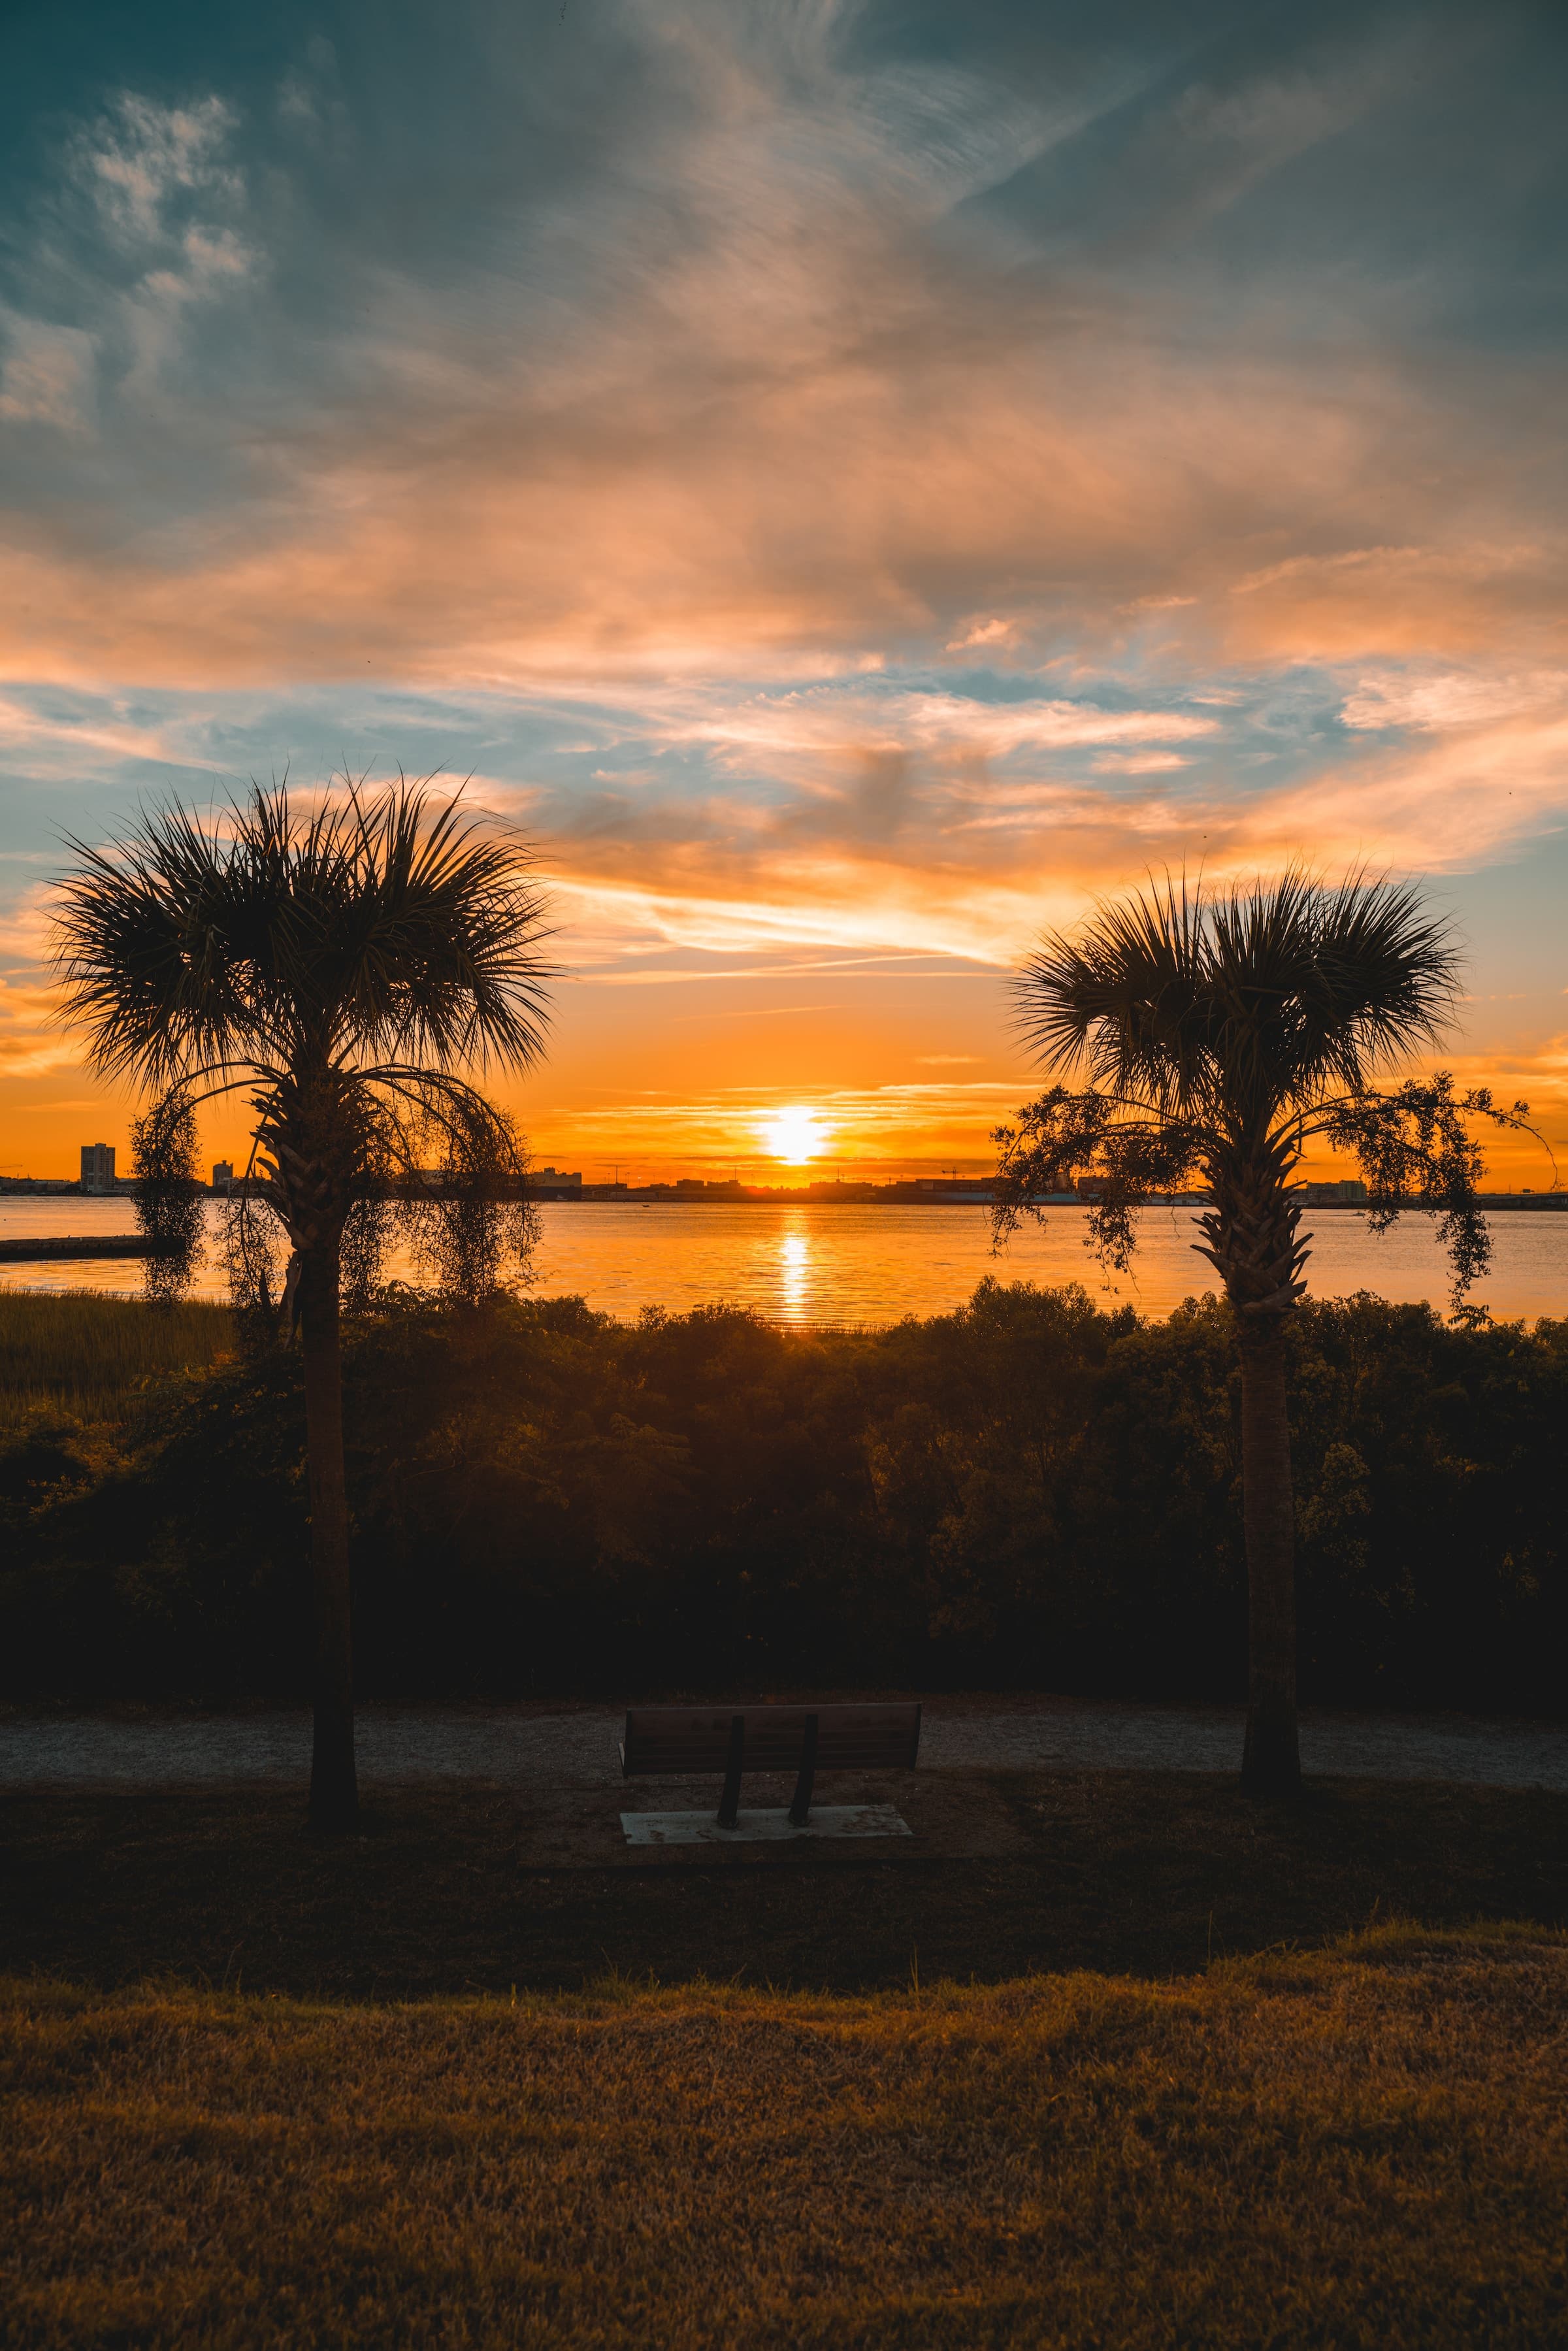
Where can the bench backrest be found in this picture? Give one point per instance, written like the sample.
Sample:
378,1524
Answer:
687,1739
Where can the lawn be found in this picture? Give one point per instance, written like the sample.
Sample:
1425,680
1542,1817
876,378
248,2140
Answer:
1362,2146
1144,1873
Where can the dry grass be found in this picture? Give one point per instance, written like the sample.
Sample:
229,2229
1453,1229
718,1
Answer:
1363,2146
84,1354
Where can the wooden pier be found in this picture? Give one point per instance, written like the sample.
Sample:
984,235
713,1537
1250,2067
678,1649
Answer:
47,1247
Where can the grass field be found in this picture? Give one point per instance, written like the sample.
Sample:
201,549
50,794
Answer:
86,1356
1367,2146
401,2091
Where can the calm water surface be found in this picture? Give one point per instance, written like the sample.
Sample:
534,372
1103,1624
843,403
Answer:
868,1265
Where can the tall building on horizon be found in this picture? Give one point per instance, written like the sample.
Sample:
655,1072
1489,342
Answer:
97,1167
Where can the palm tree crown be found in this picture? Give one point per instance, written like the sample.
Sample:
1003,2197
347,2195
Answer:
1235,1009
1220,1033
383,932
345,967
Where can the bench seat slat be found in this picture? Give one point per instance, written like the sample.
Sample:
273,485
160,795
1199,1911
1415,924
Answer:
687,1741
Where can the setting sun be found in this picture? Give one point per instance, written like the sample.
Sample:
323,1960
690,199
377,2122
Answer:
794,1135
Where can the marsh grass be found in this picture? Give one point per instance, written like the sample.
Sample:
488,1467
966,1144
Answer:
1362,2146
83,1355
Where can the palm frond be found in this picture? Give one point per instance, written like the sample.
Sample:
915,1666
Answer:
1117,999
1244,1005
388,926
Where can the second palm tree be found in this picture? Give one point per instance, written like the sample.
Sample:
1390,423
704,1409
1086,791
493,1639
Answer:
1221,1034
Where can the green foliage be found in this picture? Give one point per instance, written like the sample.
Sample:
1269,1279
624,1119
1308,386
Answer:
1029,1491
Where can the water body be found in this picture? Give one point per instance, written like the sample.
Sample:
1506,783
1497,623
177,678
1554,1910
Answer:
859,1265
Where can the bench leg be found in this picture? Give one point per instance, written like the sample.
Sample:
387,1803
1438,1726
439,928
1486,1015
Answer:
729,1803
800,1810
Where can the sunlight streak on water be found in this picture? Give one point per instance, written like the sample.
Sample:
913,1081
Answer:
863,1265
795,1274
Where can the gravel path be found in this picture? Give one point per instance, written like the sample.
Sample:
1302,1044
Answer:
576,1747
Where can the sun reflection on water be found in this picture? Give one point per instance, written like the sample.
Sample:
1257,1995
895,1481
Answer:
863,1267
794,1274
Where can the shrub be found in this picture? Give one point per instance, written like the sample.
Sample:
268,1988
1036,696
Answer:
1030,1491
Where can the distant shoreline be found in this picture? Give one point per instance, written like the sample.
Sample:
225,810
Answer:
1489,1201
849,1197
28,1248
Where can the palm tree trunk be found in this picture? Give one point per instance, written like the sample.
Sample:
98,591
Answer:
334,1789
1270,1762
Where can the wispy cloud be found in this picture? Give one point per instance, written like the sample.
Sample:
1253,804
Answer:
850,488
1437,701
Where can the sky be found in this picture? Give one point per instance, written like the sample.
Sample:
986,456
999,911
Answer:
853,483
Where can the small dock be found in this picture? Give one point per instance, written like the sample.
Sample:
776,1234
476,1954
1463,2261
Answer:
46,1248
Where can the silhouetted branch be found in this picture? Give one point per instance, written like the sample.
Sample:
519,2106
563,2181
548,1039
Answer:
168,1195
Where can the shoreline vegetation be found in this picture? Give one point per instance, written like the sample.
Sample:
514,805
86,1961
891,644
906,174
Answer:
1363,2145
1035,1491
79,1352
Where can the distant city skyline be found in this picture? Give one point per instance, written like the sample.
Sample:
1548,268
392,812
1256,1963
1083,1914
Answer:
852,483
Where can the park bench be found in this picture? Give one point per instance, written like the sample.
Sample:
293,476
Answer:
686,1741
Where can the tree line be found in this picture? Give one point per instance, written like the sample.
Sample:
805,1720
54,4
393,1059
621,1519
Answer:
1039,1490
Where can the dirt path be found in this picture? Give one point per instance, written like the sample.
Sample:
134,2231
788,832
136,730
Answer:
575,1747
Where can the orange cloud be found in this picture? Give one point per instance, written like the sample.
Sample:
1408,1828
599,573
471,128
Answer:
851,499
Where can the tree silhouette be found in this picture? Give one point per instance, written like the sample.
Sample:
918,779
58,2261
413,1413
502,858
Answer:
343,966
1221,1033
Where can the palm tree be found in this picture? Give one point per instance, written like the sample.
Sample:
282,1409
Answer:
1221,1033
343,966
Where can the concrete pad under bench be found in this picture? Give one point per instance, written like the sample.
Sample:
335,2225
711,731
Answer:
772,1826
942,1816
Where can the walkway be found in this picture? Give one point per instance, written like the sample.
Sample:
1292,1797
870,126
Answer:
541,1747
